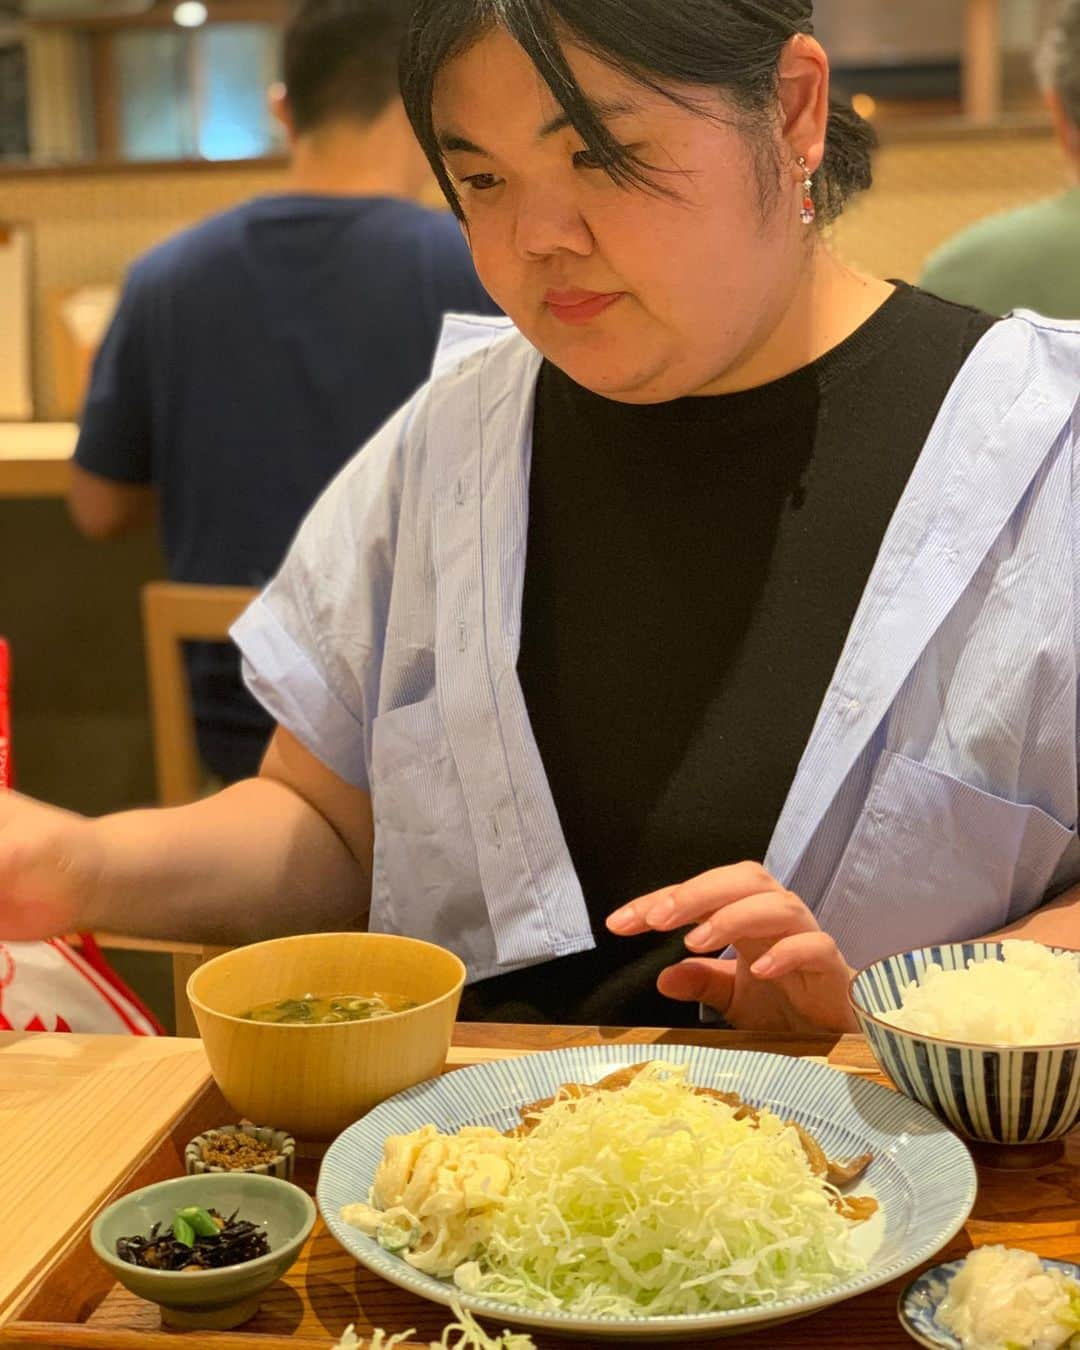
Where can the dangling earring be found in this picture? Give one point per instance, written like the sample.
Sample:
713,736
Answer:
808,211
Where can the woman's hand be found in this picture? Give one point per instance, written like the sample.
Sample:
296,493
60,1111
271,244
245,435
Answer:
788,975
47,869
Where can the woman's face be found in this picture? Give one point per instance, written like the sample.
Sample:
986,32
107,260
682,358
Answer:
637,296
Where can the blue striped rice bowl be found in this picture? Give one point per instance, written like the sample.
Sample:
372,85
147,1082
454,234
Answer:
994,1093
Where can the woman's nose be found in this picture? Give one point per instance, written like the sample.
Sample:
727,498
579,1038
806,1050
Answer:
547,224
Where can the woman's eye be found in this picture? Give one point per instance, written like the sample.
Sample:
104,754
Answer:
481,182
589,159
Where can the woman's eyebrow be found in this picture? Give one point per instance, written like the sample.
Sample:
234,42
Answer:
450,141
603,110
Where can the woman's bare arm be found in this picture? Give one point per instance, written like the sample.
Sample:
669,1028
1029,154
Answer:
289,851
1056,924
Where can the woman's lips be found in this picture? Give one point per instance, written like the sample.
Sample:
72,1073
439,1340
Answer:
576,307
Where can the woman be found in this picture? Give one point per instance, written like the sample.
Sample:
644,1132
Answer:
728,552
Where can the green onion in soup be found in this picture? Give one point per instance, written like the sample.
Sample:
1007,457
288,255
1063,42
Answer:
322,1010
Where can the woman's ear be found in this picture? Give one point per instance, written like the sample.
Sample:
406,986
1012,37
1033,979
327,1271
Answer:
1068,133
803,72
277,100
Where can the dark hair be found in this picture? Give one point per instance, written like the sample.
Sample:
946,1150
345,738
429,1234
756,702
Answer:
730,45
1059,59
340,59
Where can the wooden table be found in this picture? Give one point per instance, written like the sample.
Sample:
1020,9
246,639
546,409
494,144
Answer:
35,458
85,1118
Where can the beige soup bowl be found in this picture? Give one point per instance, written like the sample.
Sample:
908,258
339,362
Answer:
315,1080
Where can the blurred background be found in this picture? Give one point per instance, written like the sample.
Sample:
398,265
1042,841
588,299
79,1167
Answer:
123,121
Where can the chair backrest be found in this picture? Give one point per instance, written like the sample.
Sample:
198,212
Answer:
173,613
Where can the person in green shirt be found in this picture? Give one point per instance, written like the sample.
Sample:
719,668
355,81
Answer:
1030,258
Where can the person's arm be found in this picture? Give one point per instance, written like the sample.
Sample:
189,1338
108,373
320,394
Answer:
1056,924
287,852
112,469
103,508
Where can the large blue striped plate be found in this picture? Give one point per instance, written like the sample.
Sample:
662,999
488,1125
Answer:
918,1305
922,1175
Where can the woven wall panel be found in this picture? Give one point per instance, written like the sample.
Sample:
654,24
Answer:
924,192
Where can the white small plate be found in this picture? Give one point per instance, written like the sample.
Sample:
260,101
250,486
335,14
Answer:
920,1301
922,1175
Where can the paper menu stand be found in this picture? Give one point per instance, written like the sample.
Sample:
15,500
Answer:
79,319
16,396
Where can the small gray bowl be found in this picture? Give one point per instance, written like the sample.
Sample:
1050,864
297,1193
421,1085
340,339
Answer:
994,1094
214,1300
282,1164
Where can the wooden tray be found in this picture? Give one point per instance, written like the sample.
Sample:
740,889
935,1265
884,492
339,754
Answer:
75,1305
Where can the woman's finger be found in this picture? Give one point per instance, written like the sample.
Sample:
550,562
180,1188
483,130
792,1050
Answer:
631,918
699,980
813,953
774,914
675,906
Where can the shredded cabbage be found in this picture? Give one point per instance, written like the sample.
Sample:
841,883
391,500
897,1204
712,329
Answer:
470,1336
653,1201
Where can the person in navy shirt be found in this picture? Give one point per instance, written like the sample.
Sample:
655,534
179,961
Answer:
251,355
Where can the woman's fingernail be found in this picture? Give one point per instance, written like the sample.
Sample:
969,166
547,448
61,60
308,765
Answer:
660,912
701,936
621,919
764,965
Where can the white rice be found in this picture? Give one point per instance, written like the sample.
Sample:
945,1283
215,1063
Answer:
1030,997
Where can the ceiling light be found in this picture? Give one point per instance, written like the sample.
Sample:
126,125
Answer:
190,13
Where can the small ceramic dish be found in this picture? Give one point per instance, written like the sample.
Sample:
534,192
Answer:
281,1164
214,1300
918,1304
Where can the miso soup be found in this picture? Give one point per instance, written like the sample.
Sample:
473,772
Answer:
321,1010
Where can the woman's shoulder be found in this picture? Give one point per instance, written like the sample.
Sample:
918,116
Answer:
1028,354
1025,326
468,340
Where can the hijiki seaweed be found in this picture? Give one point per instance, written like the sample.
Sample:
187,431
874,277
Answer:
199,1239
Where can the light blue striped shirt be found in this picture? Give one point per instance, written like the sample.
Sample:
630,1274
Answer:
937,795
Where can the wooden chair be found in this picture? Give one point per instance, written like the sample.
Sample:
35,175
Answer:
172,614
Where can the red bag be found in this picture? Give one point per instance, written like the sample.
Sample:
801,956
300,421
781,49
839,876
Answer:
54,985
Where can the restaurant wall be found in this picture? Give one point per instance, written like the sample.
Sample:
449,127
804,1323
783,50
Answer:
925,191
